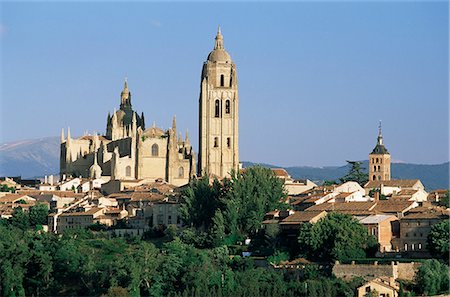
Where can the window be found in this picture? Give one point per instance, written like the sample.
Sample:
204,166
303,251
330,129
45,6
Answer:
374,168
227,107
181,172
155,150
216,141
374,177
379,177
222,80
406,246
229,142
128,171
419,246
406,235
412,246
381,160
377,160
217,109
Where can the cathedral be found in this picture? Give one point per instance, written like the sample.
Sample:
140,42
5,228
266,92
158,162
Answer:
130,151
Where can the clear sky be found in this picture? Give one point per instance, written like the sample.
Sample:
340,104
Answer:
314,78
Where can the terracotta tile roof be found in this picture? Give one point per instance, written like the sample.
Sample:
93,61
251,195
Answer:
314,198
90,212
57,193
280,172
427,213
10,198
147,196
342,207
401,183
342,195
301,217
388,206
376,219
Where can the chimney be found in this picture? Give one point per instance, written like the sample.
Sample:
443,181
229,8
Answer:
376,196
45,179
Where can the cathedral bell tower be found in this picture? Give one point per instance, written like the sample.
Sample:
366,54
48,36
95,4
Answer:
379,160
218,114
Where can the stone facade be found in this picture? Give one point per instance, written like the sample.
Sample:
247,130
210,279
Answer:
379,161
129,151
218,114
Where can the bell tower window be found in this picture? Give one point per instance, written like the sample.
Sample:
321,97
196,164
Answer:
216,141
229,142
155,150
217,109
227,107
222,80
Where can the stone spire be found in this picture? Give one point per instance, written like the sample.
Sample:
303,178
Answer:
174,125
68,135
380,136
125,102
187,141
62,135
219,40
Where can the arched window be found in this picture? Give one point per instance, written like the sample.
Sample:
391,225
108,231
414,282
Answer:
128,171
222,80
374,177
228,142
155,150
217,109
374,168
379,177
379,167
377,160
381,160
216,141
227,107
181,172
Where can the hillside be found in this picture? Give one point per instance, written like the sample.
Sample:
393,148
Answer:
38,157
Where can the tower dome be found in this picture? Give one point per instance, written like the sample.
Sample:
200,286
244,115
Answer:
219,54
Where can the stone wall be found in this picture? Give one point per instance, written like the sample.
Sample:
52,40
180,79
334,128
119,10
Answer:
364,270
396,270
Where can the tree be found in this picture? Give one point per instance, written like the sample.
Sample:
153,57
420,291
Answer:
38,214
217,232
445,200
355,173
335,237
199,202
20,219
253,193
438,239
432,277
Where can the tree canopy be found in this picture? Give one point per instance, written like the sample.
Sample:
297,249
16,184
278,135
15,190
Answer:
438,242
355,173
335,237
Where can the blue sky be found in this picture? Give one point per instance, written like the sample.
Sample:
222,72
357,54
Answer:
314,77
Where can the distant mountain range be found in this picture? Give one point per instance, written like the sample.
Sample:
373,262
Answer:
39,157
432,176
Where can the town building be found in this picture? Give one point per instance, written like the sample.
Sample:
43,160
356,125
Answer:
293,186
384,228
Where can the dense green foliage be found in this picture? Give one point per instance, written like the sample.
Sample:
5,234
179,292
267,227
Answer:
356,173
433,277
438,242
335,237
445,201
233,208
83,263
